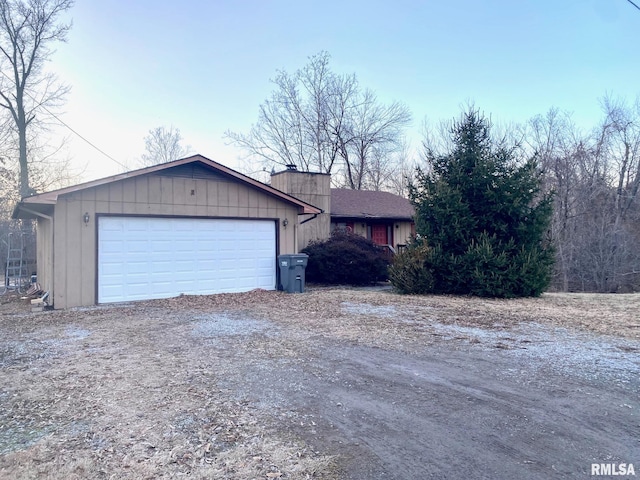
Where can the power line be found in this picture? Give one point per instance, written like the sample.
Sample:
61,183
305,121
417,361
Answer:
83,138
68,126
635,5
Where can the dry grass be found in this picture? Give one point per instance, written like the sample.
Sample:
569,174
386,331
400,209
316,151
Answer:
607,314
119,394
131,392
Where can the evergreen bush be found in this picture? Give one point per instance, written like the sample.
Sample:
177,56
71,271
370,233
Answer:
481,219
408,273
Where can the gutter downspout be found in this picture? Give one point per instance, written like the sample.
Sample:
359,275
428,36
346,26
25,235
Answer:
315,215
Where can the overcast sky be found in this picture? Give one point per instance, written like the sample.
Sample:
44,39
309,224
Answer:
205,66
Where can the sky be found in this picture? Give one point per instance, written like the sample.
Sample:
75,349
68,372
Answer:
204,67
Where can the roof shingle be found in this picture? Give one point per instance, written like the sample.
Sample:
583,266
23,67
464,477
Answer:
348,203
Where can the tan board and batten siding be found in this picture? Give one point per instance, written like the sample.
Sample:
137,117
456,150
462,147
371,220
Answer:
401,233
75,243
313,188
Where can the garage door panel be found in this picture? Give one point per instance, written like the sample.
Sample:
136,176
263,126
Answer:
113,290
185,286
160,245
226,245
113,246
136,247
159,265
137,267
162,286
149,257
137,288
159,225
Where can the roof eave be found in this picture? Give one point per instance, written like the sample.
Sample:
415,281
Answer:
30,211
311,210
373,217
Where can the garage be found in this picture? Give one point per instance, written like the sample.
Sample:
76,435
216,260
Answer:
143,258
190,226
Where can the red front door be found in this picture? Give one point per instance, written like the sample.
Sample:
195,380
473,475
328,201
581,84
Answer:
379,234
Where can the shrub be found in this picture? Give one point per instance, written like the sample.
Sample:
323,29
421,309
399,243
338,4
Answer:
409,272
345,258
487,268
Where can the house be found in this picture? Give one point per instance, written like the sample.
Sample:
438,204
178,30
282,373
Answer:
189,226
192,226
382,217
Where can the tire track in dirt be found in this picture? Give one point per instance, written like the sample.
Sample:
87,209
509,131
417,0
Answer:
445,414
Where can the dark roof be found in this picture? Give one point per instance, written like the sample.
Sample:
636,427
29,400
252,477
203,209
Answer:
51,198
347,203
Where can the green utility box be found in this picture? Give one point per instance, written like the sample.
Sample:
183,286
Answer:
292,268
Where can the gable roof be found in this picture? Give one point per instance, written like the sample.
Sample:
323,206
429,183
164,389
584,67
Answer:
347,203
51,198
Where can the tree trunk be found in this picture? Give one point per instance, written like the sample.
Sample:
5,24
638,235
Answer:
21,124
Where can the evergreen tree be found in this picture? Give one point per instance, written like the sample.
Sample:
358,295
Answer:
481,220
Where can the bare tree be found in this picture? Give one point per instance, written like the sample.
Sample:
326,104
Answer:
595,179
163,145
48,170
621,147
614,175
319,120
403,172
552,138
375,133
303,118
27,30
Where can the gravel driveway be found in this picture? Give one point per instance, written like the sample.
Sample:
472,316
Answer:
333,383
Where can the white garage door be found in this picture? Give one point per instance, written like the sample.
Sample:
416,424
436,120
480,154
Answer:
146,257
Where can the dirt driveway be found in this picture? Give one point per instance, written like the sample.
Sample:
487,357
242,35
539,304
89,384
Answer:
334,383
